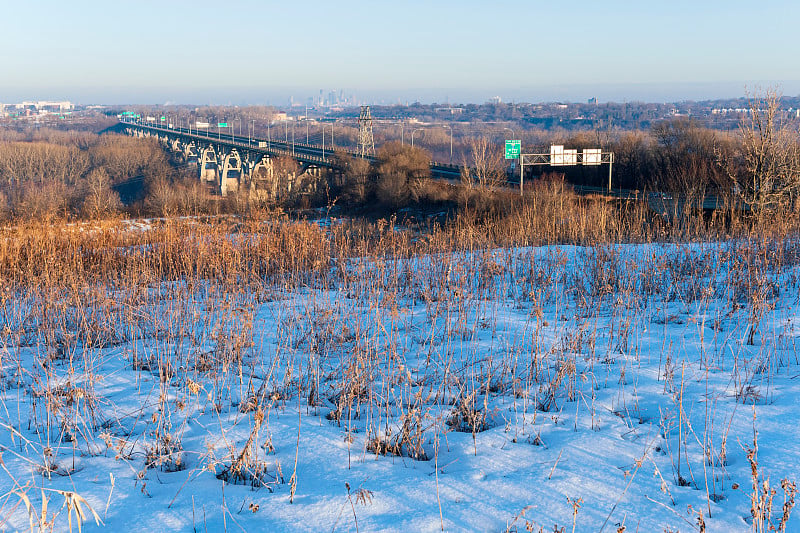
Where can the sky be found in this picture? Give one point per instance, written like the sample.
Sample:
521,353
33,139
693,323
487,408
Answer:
263,52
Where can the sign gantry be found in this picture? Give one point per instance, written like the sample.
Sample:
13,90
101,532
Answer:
561,157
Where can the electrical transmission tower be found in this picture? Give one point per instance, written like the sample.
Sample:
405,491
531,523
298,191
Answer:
366,143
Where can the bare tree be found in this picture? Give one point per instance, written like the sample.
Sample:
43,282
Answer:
125,157
284,173
769,156
356,177
41,163
402,170
162,199
634,163
99,199
488,169
684,157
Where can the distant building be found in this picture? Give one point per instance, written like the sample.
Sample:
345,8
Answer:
495,100
592,100
55,107
451,110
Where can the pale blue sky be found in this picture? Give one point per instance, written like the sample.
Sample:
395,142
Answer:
248,51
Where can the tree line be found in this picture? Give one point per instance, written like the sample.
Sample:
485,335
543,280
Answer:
48,173
45,173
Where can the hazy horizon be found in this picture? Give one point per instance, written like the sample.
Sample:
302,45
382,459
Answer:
279,97
251,52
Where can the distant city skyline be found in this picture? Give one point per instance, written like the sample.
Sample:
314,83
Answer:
251,52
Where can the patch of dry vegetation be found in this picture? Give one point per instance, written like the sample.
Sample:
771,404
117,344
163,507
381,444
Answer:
181,296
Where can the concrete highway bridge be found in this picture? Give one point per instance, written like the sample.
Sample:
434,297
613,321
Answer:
230,162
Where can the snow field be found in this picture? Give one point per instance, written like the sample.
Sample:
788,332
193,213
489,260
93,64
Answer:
609,386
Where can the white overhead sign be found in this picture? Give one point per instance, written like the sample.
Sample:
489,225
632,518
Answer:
592,156
557,154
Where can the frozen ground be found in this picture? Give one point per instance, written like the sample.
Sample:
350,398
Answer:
605,387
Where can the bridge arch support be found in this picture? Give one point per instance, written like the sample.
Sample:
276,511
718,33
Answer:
231,174
209,165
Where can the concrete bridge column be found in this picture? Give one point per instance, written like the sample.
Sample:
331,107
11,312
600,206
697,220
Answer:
208,167
248,163
263,186
231,172
190,153
315,173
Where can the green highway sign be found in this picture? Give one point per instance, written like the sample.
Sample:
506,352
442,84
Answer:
513,149
222,125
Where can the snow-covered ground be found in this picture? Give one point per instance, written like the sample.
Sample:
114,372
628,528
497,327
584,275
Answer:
604,387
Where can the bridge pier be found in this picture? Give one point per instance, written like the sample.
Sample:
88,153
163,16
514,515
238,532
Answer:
263,186
313,175
231,172
190,153
208,167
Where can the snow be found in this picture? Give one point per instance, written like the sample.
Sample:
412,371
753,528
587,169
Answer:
606,377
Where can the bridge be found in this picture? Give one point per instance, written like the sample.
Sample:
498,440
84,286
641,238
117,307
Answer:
229,161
